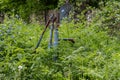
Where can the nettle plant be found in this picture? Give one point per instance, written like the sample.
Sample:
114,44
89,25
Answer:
17,41
91,54
94,56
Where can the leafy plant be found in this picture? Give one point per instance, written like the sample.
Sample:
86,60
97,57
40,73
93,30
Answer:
94,56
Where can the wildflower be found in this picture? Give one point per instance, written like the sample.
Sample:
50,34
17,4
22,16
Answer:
20,67
99,53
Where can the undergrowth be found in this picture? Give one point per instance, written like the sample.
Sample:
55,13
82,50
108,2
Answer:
95,55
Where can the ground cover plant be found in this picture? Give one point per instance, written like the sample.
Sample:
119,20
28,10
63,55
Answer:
94,56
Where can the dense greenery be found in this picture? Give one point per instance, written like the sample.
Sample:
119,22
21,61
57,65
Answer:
94,56
24,8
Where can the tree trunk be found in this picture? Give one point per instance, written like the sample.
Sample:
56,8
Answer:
1,17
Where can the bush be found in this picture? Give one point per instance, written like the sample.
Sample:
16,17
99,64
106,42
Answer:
94,56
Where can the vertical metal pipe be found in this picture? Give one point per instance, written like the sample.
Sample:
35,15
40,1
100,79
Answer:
56,33
56,37
51,35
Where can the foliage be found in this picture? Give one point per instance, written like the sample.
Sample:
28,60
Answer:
110,17
94,56
24,8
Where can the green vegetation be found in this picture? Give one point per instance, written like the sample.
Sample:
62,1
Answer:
25,8
94,56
